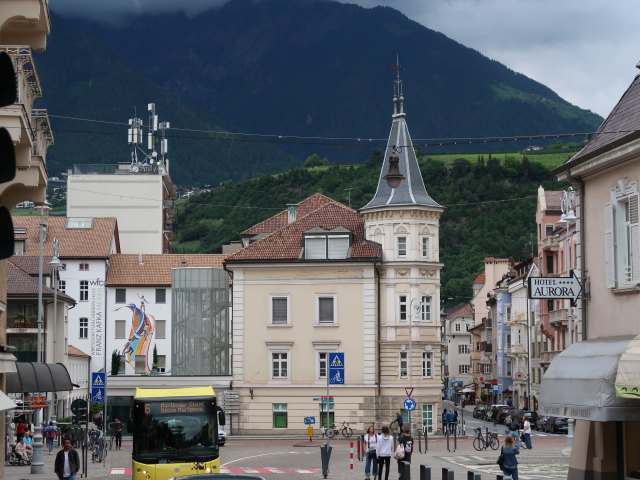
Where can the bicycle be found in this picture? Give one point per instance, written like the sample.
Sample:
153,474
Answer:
110,434
97,445
489,440
345,429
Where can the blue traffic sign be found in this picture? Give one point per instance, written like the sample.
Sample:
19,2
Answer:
409,404
336,368
309,420
98,386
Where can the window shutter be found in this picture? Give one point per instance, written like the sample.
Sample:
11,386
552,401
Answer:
338,247
634,238
609,246
279,311
325,305
315,248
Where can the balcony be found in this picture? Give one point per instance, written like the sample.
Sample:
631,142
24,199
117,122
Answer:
550,244
547,357
558,318
519,349
22,322
25,22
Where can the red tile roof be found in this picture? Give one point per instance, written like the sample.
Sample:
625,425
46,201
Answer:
21,284
281,219
76,352
480,279
286,243
465,310
155,270
31,264
95,242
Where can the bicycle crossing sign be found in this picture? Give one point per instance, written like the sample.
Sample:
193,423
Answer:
336,368
98,386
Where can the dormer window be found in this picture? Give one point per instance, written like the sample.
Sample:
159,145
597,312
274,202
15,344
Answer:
320,244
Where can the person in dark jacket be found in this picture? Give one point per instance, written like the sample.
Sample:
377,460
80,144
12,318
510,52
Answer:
510,450
405,440
398,421
445,422
67,461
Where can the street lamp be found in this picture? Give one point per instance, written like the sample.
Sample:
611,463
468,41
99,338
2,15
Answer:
55,265
37,464
568,218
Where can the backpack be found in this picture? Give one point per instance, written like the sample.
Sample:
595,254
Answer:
399,455
52,433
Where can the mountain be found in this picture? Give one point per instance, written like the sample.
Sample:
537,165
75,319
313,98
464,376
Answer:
298,69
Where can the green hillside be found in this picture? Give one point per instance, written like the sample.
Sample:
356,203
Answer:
490,206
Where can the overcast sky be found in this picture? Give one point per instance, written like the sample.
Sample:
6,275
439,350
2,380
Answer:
584,50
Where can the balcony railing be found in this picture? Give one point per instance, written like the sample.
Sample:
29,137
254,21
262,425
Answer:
547,357
558,317
550,244
519,348
25,355
22,322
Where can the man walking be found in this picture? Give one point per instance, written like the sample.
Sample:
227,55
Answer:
527,433
117,433
67,461
406,440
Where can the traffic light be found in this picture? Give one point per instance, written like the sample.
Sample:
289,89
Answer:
8,95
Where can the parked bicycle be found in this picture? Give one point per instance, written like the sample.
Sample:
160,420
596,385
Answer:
97,445
345,429
481,442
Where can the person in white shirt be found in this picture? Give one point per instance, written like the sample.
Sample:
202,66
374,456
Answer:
384,449
370,442
527,433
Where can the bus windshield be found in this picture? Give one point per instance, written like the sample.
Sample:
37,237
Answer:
175,430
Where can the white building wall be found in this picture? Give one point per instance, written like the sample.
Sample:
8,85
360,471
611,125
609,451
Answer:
135,200
120,311
454,358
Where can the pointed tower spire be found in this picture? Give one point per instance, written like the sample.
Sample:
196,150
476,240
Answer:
400,182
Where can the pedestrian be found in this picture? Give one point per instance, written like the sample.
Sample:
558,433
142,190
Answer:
384,449
370,442
445,422
11,432
50,434
398,421
455,420
30,428
514,427
117,433
19,430
451,420
407,441
510,450
21,450
527,433
67,461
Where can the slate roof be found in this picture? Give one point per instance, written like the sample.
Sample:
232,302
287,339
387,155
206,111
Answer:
281,219
76,352
92,242
155,270
21,284
286,244
622,125
411,190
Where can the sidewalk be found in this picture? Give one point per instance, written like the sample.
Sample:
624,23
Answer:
95,471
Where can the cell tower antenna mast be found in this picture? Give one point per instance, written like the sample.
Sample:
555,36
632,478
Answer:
156,137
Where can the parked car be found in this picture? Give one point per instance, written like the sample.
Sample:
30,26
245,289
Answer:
553,424
222,437
492,411
520,416
479,410
502,414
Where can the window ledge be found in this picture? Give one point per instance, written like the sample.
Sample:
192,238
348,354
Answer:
627,290
279,325
326,325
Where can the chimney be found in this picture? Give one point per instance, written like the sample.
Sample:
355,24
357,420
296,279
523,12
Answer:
292,210
140,260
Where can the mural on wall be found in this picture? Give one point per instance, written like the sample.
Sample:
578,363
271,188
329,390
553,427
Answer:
143,327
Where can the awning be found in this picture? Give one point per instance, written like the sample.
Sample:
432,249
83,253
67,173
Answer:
38,377
6,403
628,376
580,382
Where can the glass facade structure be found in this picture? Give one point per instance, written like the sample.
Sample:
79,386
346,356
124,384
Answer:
201,328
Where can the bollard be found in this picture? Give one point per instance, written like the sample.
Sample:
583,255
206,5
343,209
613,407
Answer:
350,455
426,438
405,470
425,472
473,476
447,473
360,442
325,455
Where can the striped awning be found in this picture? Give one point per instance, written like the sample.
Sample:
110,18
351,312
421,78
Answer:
628,376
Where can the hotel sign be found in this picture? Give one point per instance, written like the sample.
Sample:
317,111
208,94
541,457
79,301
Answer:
555,288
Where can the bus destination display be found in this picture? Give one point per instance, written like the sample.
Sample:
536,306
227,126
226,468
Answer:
169,407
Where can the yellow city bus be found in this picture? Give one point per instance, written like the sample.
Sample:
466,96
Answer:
175,432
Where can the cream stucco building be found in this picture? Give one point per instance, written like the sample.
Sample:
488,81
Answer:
321,279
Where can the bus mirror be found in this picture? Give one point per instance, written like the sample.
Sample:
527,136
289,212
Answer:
221,417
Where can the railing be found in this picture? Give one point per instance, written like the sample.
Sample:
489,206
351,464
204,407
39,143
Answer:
551,243
22,322
558,316
547,357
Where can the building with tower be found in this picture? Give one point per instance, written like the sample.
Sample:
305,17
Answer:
321,279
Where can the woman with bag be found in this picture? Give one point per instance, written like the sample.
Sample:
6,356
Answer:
384,447
510,462
370,442
405,444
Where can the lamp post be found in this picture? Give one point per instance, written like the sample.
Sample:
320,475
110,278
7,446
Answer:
37,464
55,265
567,218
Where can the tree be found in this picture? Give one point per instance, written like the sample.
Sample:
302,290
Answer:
115,363
154,366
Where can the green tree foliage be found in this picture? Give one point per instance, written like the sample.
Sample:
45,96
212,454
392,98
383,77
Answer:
115,362
490,208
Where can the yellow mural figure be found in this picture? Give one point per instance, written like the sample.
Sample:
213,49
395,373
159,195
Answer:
143,327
